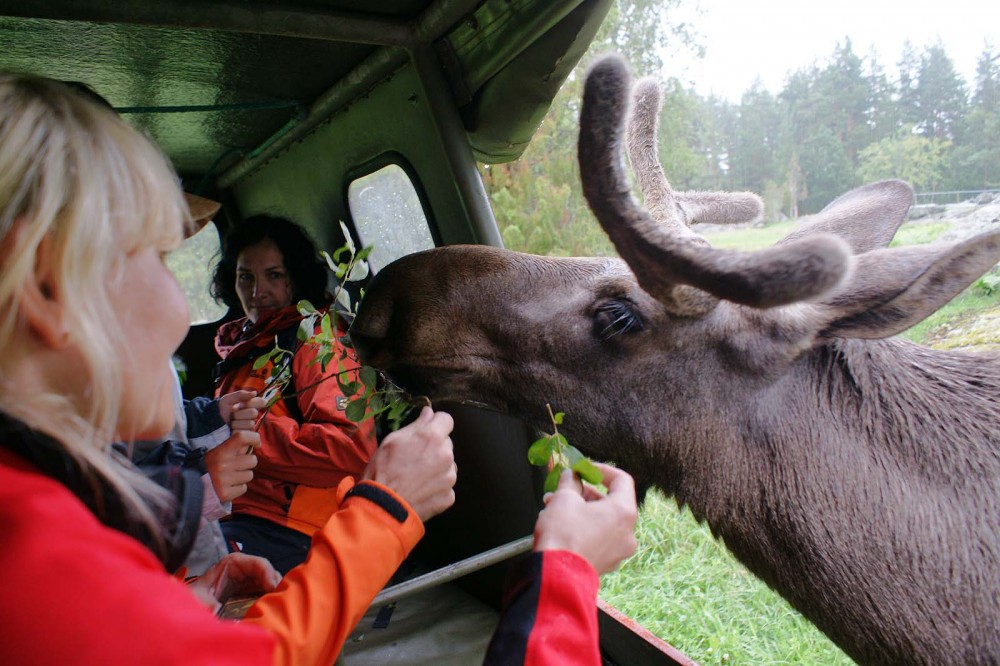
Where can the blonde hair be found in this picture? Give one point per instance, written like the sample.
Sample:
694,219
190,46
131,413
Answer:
76,174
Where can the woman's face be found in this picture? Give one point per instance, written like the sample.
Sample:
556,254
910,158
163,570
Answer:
262,282
154,318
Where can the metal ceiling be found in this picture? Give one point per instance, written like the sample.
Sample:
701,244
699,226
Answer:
223,85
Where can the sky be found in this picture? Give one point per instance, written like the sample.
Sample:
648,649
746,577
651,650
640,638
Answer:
746,39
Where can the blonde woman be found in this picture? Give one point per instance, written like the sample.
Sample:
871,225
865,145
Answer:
89,317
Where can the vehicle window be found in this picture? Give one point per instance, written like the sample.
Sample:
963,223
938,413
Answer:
192,264
388,215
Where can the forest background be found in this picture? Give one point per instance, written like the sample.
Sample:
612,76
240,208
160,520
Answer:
835,124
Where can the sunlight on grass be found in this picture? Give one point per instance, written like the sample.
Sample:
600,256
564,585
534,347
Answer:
684,586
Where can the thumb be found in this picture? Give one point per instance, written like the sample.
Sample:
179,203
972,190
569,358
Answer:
568,481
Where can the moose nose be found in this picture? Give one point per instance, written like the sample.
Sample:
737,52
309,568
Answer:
370,330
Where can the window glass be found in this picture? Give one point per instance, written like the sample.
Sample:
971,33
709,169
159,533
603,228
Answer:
388,215
193,264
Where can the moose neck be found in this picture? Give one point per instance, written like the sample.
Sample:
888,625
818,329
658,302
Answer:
860,475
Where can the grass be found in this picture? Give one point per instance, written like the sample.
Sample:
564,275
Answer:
749,238
686,588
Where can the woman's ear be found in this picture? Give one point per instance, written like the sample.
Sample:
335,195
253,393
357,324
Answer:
42,306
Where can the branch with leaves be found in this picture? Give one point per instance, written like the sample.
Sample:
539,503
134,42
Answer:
369,393
554,452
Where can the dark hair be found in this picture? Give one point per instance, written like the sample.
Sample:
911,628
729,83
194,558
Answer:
307,270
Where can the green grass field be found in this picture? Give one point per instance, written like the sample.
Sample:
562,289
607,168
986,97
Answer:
685,587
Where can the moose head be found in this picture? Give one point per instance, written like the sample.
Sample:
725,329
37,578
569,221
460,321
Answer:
854,472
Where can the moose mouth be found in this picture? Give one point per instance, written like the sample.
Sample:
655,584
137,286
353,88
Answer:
449,382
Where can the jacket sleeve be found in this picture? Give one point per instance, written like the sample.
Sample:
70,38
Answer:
325,440
77,592
352,557
549,613
205,427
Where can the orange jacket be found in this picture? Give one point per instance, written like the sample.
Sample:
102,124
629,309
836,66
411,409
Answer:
299,464
319,602
77,592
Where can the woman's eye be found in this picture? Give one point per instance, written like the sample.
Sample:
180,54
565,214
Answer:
615,318
244,278
276,277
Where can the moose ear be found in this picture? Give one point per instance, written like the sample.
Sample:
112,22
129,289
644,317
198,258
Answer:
893,289
866,217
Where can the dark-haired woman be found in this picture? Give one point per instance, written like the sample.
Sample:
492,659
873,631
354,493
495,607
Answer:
308,446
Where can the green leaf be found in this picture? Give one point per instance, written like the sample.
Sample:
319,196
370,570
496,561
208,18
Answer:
262,360
306,328
271,396
552,479
355,411
348,241
343,382
364,252
587,471
398,410
330,261
344,299
540,451
377,402
368,376
557,418
324,360
359,271
305,307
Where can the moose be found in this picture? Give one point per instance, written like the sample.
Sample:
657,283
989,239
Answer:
856,473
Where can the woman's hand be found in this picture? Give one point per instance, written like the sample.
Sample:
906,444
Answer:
418,463
230,465
235,574
240,409
598,527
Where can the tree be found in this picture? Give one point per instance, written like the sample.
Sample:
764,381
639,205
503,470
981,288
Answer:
917,159
940,94
755,149
977,153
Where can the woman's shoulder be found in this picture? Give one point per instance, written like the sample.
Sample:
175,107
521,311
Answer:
76,591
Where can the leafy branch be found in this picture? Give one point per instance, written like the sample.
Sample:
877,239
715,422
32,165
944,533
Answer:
556,453
369,393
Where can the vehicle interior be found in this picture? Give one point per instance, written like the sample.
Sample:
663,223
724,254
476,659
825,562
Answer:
376,115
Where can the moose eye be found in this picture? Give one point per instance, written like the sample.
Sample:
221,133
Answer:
614,318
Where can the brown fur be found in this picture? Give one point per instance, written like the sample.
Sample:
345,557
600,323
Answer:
855,473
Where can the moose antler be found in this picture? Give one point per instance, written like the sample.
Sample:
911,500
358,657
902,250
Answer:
670,208
664,258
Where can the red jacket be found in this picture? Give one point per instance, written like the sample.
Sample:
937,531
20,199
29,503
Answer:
77,592
299,464
549,615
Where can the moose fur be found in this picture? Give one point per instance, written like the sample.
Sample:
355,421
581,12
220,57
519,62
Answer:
855,473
